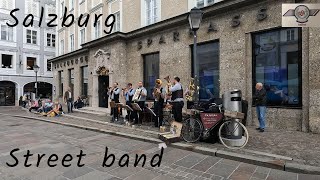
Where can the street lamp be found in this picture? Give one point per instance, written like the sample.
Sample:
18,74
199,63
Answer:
195,17
36,70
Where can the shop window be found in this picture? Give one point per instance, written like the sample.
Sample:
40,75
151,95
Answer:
31,62
277,64
71,78
6,61
208,70
85,74
60,76
151,72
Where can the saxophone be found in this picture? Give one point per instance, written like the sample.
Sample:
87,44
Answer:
192,89
168,85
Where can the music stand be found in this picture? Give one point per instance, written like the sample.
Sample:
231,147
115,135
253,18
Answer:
112,106
136,107
128,108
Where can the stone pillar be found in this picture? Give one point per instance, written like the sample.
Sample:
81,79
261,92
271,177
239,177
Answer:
314,80
95,91
77,82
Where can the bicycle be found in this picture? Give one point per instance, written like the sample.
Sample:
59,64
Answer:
202,122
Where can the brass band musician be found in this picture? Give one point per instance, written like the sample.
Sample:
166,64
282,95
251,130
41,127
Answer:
114,96
159,96
177,99
141,102
128,93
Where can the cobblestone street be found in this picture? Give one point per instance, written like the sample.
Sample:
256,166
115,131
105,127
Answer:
41,137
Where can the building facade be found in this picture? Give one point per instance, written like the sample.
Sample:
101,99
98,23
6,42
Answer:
240,42
23,47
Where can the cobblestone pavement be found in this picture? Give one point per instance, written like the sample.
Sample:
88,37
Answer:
302,147
41,137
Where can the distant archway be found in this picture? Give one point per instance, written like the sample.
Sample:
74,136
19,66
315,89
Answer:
7,93
44,89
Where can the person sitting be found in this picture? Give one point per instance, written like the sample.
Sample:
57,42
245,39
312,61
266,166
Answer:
57,110
34,105
78,103
47,106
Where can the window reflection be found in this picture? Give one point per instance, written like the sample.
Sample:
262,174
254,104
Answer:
278,65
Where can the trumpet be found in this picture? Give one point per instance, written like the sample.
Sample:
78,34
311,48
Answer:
167,78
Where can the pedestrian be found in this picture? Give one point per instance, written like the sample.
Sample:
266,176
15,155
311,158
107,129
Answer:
260,101
68,99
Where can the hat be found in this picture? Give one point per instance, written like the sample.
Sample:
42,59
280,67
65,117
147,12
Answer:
158,81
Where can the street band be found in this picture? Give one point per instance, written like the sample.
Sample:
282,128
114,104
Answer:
168,93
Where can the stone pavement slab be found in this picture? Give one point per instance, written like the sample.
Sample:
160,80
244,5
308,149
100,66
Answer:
176,163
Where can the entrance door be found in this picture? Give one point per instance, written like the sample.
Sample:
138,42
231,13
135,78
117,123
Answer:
103,85
7,93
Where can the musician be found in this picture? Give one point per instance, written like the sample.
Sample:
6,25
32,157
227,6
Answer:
158,102
177,99
114,96
128,93
141,102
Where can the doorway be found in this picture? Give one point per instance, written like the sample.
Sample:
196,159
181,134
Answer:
7,93
103,92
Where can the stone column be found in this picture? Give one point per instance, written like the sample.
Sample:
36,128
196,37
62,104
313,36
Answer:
77,82
95,91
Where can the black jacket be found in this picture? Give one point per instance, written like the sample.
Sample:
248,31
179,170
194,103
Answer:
260,98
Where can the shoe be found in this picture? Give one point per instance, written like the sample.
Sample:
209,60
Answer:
258,128
261,130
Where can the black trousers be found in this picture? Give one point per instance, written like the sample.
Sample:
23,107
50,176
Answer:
158,110
138,116
177,110
115,111
130,114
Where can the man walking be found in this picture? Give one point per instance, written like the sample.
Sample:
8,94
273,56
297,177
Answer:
260,100
68,99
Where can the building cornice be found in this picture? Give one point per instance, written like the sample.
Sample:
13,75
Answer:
71,54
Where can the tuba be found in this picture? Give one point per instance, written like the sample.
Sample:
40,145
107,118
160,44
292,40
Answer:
155,90
168,85
192,89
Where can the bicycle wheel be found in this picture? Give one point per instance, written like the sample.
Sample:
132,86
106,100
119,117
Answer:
227,129
191,130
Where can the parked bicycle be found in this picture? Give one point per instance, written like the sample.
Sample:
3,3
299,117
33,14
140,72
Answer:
206,120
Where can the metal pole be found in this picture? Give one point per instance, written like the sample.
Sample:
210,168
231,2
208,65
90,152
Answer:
195,66
36,85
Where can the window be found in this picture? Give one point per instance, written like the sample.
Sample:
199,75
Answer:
72,42
31,36
82,36
32,7
290,35
61,47
277,64
203,3
151,72
31,61
85,74
71,4
116,28
51,40
49,66
151,12
97,30
6,4
6,61
71,78
60,76
208,70
6,33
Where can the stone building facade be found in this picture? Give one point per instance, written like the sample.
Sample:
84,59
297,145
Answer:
235,27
